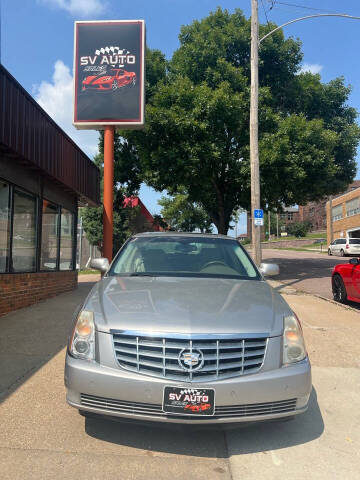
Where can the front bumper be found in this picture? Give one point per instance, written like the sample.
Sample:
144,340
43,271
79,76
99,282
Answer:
110,390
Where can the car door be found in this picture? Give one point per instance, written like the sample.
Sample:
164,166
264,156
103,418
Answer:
335,248
351,278
332,246
341,245
121,78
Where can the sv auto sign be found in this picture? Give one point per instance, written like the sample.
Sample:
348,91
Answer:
109,74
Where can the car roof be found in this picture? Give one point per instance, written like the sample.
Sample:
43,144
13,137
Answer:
183,234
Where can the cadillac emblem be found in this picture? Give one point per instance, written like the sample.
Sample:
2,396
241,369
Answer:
191,360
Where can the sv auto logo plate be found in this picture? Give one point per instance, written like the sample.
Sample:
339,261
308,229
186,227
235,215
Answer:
189,401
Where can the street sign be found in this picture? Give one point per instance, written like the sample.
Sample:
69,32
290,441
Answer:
259,217
109,66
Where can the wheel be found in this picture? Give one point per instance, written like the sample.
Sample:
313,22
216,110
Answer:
339,290
342,253
114,85
329,252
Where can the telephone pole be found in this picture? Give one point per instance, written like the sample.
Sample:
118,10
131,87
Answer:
254,128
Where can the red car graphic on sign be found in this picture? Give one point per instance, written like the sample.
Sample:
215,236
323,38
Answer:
198,408
116,78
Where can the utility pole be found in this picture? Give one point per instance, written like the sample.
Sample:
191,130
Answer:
269,224
254,128
277,224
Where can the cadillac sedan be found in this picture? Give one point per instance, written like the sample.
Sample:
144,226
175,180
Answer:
184,328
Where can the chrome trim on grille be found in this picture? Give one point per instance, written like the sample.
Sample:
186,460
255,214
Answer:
157,355
154,410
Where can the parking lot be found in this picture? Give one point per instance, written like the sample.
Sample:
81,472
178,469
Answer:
41,437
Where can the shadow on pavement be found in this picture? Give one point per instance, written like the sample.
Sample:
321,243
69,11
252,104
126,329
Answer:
273,436
31,336
209,442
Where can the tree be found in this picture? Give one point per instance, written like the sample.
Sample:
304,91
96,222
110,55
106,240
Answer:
183,215
196,139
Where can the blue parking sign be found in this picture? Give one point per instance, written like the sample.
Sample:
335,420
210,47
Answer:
259,217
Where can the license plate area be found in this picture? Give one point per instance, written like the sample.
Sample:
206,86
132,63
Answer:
189,401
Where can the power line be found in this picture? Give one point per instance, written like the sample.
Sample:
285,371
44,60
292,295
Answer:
267,20
274,2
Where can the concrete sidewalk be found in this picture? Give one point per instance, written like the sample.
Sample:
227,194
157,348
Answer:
42,438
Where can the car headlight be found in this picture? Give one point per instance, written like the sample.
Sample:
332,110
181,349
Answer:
293,341
82,344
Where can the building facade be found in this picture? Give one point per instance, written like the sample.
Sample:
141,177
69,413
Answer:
44,177
343,215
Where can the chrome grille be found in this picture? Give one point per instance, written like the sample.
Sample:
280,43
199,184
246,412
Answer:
223,356
154,410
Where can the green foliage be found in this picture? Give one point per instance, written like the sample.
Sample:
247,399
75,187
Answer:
299,229
196,139
183,215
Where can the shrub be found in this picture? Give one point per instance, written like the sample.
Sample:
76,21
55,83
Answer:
299,229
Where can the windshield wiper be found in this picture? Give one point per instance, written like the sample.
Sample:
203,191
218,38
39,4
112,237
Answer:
141,274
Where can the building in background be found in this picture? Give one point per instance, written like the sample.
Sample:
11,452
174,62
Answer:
44,177
144,221
290,215
344,214
315,213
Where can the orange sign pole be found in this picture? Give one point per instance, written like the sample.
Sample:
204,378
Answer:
108,192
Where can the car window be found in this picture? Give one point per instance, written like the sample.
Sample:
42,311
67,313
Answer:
342,241
184,256
354,241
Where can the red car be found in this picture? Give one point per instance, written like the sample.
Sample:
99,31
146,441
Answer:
198,408
103,82
346,281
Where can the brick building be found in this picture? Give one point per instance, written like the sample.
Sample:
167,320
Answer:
44,177
344,214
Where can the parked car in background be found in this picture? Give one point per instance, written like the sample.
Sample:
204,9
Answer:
344,247
346,281
183,328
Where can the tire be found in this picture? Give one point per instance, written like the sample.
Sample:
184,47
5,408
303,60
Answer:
342,253
114,86
338,289
329,252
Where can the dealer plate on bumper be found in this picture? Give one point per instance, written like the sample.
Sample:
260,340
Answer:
189,401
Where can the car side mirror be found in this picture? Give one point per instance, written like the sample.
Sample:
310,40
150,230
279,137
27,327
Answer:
269,269
354,261
101,264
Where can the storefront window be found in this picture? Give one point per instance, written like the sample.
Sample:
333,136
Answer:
4,225
49,236
66,240
24,233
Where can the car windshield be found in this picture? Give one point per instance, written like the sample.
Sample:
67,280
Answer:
184,257
354,241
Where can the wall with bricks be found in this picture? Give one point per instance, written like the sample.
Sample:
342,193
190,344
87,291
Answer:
346,223
19,290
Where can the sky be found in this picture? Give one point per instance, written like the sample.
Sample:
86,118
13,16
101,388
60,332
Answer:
37,45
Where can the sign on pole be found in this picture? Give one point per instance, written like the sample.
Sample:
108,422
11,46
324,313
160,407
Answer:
259,217
109,65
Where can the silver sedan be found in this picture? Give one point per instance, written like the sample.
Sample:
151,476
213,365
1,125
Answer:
184,328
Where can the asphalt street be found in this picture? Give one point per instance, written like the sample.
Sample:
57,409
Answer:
306,271
43,438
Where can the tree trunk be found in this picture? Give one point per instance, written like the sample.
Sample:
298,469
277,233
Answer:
221,221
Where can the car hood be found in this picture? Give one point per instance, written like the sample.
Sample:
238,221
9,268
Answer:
187,305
